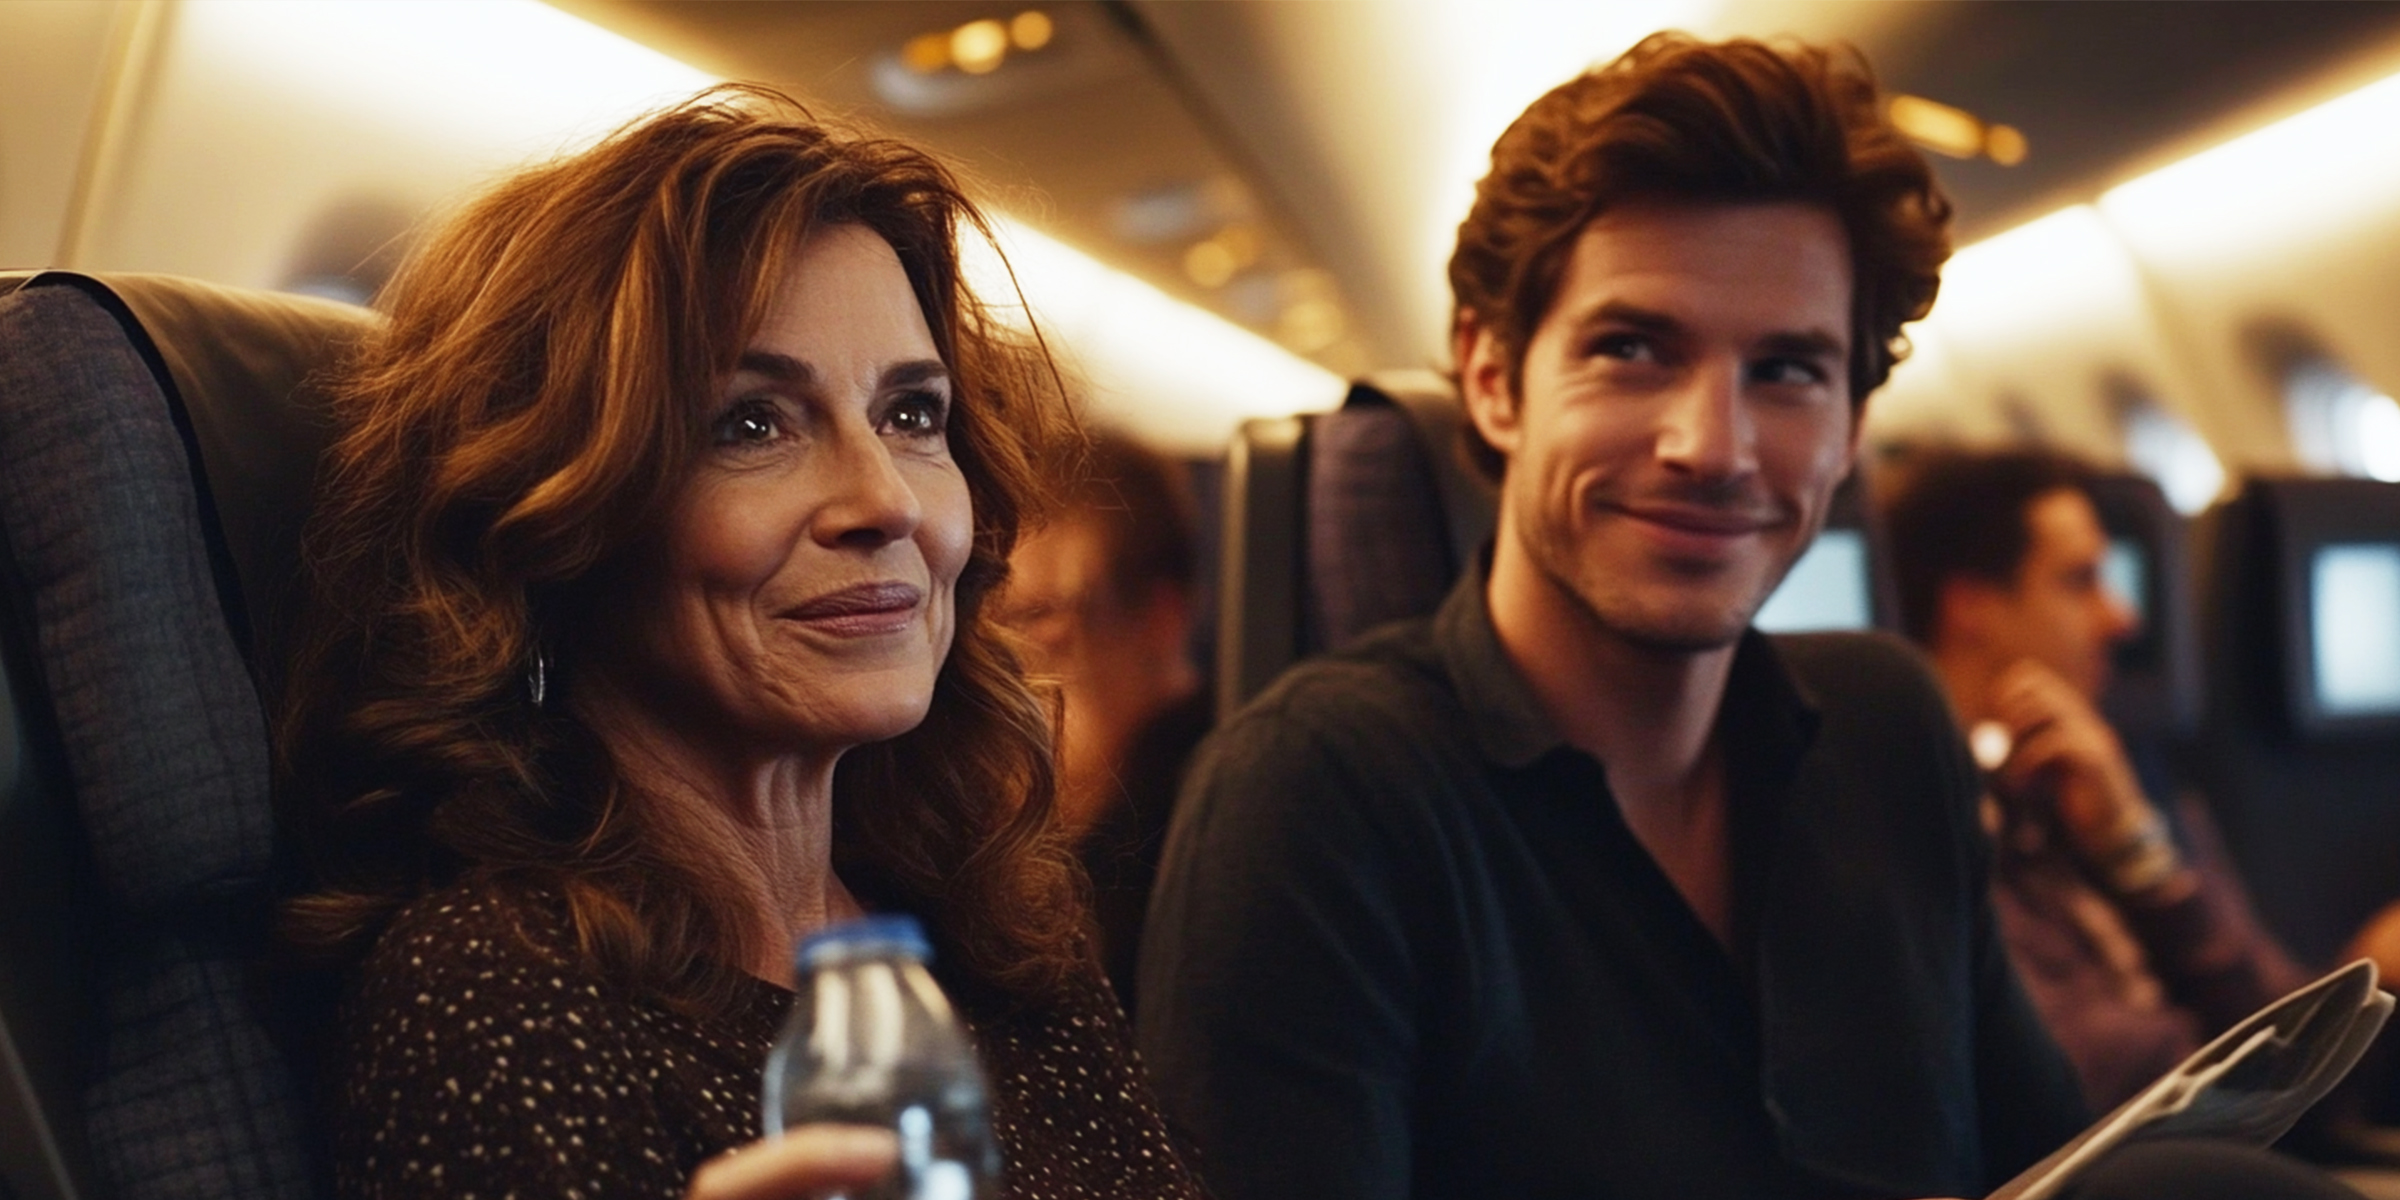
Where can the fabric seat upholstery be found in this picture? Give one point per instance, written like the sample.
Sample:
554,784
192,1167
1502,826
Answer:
157,439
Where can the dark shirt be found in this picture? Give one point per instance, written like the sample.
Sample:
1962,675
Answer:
480,1056
1404,945
1121,850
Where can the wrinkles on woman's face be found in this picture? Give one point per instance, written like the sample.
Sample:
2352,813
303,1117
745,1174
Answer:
802,595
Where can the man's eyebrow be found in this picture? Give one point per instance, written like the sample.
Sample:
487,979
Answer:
1810,343
1618,312
1802,343
782,368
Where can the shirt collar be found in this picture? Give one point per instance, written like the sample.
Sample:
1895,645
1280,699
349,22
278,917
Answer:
1766,711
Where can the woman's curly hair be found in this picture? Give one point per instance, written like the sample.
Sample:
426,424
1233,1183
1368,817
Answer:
524,420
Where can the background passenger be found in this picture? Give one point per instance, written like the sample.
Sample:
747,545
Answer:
1103,594
648,635
2136,945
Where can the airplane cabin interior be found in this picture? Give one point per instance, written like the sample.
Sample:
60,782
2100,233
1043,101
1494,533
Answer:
2177,257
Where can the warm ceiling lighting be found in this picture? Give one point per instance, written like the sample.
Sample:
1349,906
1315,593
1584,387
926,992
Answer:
2003,144
1937,126
1210,263
978,46
1955,131
1310,326
926,53
1031,30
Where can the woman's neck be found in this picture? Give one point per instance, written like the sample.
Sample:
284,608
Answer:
760,824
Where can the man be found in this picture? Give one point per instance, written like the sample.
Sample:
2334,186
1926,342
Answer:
2134,948
1583,887
1103,596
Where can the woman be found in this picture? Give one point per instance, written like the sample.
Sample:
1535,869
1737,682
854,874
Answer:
646,637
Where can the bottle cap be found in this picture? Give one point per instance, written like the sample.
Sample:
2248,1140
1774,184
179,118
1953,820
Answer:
877,936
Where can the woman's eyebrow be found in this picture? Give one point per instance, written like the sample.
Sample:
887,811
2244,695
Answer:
914,371
782,368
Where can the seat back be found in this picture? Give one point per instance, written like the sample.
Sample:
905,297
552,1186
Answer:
1337,522
2309,799
157,442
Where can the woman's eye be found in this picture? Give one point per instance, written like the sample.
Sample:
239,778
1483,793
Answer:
748,425
919,414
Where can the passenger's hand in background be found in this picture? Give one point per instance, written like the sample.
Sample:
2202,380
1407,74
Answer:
2379,939
808,1162
2065,750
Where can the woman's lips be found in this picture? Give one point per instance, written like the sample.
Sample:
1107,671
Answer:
864,610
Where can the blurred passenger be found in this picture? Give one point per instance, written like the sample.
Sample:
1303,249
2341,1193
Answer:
2137,945
1583,886
647,637
1103,594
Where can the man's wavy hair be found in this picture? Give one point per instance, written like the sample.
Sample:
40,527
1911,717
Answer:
1681,120
523,422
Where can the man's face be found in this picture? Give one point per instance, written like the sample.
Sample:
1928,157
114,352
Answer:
2058,611
1684,415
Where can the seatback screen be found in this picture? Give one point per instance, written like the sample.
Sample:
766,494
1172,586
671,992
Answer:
2354,627
1827,589
2125,572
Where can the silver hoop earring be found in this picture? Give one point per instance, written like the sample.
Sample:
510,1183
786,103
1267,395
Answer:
537,678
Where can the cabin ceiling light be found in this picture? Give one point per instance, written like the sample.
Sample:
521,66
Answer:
1955,131
1031,29
2306,178
977,47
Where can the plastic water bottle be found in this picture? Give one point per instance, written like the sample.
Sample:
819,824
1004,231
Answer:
872,1041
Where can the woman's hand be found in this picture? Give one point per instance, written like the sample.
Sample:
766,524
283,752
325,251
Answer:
806,1163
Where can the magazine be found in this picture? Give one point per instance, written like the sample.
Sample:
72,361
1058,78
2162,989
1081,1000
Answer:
2248,1085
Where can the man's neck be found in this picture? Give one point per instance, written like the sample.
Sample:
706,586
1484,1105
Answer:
1645,712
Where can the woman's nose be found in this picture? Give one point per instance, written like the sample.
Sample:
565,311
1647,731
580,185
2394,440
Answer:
869,502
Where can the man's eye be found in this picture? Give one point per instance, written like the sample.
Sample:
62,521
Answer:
1786,371
1626,347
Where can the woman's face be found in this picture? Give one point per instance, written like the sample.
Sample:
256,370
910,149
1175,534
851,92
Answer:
801,598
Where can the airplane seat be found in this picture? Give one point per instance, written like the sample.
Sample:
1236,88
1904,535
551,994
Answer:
158,439
1337,522
2299,743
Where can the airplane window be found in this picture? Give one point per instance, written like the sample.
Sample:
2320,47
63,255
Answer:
1827,588
2341,425
2354,602
2166,448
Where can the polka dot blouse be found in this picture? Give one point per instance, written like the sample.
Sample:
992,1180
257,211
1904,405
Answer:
480,1061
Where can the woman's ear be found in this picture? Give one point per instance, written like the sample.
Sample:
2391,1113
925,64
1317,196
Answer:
1483,384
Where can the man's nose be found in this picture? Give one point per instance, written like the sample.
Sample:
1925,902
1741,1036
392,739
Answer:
1705,428
869,502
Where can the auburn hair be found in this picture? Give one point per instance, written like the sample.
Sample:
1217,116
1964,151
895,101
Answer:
526,418
1682,120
